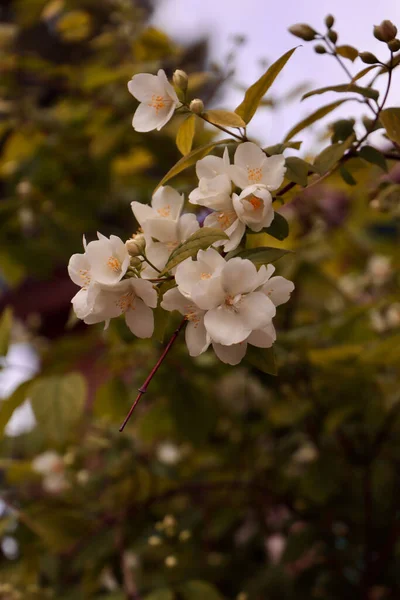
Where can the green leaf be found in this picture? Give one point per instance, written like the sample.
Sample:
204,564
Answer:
161,594
17,398
345,87
390,119
255,93
372,155
363,72
5,330
199,590
347,52
279,148
58,403
297,170
331,155
200,240
190,159
279,227
225,118
347,176
110,402
263,359
315,116
264,255
185,135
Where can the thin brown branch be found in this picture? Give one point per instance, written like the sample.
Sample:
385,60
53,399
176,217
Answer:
143,389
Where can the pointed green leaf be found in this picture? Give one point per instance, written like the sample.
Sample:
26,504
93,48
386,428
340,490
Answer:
185,135
372,155
297,170
347,176
390,119
199,590
5,330
331,155
190,159
262,358
255,93
315,116
225,118
279,227
58,404
8,405
264,255
347,52
345,87
200,240
279,148
363,72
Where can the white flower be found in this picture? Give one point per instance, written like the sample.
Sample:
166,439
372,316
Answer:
252,166
157,98
51,466
214,190
132,297
164,212
168,235
197,278
232,355
196,337
79,268
278,289
254,207
227,221
108,259
235,307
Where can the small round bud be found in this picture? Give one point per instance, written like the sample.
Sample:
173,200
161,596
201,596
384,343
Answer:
385,32
197,106
180,79
320,49
303,31
333,36
329,21
394,45
154,540
171,562
368,58
136,244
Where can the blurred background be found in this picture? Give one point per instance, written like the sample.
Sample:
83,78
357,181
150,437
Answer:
227,483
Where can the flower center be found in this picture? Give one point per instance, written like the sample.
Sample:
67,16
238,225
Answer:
254,201
114,264
85,276
164,212
205,276
157,102
254,175
225,219
191,314
232,302
125,301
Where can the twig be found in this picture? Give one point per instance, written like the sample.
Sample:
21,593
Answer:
143,389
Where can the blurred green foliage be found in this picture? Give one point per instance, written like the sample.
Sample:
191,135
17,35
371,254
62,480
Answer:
227,482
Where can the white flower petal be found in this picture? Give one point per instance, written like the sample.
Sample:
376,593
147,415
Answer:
249,155
273,171
239,276
167,203
79,270
174,300
254,312
278,289
147,118
143,85
211,166
164,230
196,337
140,319
145,290
263,338
187,225
225,326
231,355
142,212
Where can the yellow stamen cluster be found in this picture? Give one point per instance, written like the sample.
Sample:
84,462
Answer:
114,264
157,102
254,175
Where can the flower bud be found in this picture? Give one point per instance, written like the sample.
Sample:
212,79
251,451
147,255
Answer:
329,21
197,106
394,45
333,36
368,58
385,32
303,31
136,244
180,79
320,49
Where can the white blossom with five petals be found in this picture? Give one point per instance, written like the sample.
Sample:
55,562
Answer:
252,166
158,100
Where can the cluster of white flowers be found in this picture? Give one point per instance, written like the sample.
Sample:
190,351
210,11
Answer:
227,303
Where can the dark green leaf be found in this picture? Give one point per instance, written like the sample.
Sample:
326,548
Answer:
263,255
262,358
345,87
200,240
372,155
255,93
347,176
297,170
199,590
161,594
315,116
331,155
279,227
8,406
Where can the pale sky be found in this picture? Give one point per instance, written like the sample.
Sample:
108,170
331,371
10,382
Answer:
265,24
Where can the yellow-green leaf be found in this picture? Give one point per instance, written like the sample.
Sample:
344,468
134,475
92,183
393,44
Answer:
264,255
185,135
390,119
347,52
200,240
225,118
8,405
315,116
345,87
297,170
263,359
255,93
74,26
190,159
280,148
363,72
331,155
5,330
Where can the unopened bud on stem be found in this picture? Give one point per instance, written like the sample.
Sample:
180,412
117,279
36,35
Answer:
180,79
197,106
385,32
320,49
368,58
136,245
303,31
329,21
394,45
